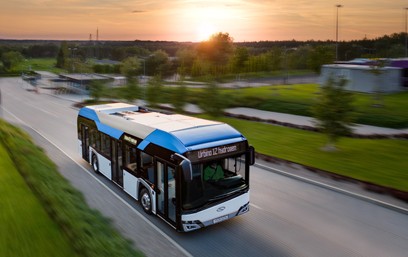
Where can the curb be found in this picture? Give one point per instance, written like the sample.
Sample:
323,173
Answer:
400,135
335,189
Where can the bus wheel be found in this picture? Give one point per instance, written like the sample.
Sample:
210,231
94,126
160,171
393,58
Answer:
95,164
145,201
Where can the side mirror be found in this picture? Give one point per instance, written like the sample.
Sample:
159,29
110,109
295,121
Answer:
187,170
251,155
185,166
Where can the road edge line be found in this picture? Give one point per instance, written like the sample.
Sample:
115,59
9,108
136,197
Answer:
336,189
179,247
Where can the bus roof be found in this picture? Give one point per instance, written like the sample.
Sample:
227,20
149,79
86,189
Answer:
178,133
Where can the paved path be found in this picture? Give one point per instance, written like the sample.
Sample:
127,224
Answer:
260,114
308,121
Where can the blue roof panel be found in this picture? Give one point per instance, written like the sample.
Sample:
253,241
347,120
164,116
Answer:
205,134
88,113
115,133
164,139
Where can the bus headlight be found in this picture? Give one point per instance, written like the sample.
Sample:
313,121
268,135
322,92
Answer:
243,209
192,225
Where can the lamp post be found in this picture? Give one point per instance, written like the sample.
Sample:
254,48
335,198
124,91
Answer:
406,33
337,30
72,57
286,76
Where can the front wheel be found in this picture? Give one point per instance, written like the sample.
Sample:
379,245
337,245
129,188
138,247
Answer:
95,164
146,201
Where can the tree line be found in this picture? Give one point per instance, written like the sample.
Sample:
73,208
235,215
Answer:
217,56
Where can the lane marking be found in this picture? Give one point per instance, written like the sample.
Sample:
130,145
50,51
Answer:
336,189
29,104
179,247
256,206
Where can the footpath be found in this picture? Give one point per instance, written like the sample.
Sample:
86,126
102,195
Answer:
367,192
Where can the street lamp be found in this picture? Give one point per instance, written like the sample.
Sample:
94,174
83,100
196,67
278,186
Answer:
286,76
72,57
406,34
337,30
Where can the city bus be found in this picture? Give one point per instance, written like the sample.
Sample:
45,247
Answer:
188,171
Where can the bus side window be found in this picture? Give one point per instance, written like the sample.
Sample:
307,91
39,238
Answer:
97,140
147,166
93,134
130,158
105,145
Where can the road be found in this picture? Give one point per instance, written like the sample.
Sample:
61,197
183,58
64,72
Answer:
288,217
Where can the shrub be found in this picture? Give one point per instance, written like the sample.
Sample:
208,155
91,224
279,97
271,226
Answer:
88,231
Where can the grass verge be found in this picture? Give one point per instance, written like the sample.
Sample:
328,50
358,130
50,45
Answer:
298,99
378,161
88,232
26,229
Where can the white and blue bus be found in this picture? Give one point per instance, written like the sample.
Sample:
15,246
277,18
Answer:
190,172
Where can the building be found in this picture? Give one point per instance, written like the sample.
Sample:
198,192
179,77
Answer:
361,78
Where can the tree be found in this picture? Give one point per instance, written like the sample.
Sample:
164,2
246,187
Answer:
158,64
97,89
62,56
179,97
377,68
212,101
217,50
153,90
185,59
333,111
11,59
320,55
239,59
130,67
132,90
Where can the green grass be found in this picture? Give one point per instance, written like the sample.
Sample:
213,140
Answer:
379,161
88,232
38,64
298,99
26,229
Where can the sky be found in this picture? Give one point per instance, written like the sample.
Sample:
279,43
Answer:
196,20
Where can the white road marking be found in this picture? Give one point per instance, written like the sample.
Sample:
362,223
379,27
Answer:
336,189
255,206
179,247
27,103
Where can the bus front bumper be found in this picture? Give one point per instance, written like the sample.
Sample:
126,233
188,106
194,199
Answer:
191,225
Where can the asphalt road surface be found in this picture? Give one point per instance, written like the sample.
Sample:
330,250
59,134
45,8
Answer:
288,217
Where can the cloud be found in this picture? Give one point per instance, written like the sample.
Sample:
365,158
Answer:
138,11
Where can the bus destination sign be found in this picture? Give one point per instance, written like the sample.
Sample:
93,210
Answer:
215,152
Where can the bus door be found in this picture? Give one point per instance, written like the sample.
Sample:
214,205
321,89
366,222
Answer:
116,162
85,142
166,196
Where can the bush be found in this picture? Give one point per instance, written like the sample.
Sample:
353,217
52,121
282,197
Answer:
88,231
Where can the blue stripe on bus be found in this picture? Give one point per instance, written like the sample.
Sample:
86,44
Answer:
205,134
89,113
115,133
164,139
216,143
143,145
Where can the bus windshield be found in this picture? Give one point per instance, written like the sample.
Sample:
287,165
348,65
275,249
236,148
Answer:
213,181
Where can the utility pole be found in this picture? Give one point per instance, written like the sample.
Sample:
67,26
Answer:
406,33
337,30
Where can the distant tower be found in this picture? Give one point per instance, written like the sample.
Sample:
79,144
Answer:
90,51
97,43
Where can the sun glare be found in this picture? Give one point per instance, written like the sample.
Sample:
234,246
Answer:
205,31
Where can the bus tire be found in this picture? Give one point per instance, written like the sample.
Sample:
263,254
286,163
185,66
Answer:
95,164
146,200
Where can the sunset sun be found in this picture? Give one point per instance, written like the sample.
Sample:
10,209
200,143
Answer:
205,31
